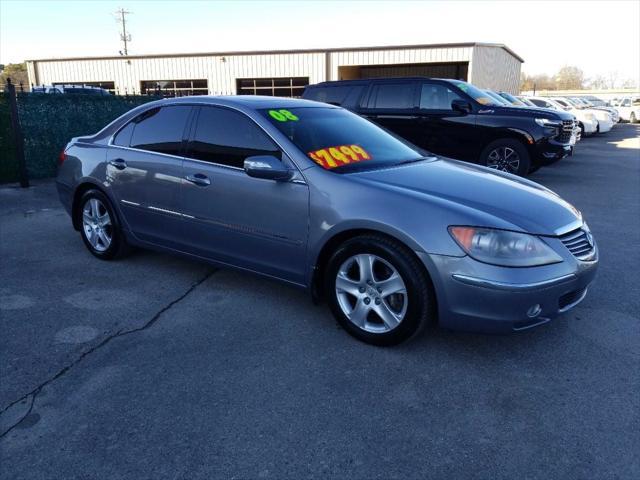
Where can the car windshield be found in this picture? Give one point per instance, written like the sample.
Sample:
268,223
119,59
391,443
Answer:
339,140
497,98
478,95
513,100
563,103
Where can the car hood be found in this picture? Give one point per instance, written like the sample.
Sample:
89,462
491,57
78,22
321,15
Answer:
488,198
533,112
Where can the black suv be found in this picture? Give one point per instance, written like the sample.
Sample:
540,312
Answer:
455,119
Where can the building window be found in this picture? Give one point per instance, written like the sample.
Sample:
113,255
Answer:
273,87
174,88
109,86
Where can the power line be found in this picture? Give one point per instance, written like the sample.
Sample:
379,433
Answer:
124,36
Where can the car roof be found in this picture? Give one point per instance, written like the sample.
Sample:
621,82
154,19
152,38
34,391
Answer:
365,81
246,101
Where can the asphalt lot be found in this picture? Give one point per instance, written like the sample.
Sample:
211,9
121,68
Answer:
158,367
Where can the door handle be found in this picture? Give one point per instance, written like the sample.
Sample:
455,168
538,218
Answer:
199,179
119,163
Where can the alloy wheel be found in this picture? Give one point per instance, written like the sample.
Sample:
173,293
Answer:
371,293
97,225
505,159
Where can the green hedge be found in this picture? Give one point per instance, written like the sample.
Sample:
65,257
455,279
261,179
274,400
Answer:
49,121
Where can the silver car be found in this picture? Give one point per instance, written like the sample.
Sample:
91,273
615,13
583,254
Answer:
318,197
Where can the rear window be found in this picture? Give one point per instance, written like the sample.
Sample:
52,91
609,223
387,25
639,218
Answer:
335,95
161,129
339,140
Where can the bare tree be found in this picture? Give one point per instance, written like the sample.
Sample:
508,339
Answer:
569,78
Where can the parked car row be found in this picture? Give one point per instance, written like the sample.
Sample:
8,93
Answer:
628,107
456,119
69,90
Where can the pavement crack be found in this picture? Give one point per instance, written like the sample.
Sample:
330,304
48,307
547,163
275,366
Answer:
120,333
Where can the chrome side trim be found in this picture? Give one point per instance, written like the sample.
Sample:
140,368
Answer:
571,305
128,202
482,282
164,210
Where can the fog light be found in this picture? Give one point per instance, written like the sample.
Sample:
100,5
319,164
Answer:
534,311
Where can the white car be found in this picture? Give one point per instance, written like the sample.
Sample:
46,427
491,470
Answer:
629,108
586,120
615,116
605,121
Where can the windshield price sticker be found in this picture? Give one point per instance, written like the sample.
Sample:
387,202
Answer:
332,157
283,116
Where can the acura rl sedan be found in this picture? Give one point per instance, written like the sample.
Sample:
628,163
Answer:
390,236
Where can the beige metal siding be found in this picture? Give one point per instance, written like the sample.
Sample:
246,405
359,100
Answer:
397,56
220,71
488,66
496,69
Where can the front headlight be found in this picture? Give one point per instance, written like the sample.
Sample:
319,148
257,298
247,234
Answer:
504,248
545,122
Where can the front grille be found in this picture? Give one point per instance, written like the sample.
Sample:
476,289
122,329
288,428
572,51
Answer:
565,131
569,298
579,243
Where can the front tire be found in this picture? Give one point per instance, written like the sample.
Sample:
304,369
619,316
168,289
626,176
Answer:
378,291
99,226
506,155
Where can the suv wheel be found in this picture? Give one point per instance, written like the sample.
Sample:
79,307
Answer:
99,226
377,290
632,118
506,155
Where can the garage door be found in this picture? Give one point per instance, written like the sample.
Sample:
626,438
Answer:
457,70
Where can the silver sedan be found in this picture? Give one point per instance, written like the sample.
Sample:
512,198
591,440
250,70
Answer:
313,195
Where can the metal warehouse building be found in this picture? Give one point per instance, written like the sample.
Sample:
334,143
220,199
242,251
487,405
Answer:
281,73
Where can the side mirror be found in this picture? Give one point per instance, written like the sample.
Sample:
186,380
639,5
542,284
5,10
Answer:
267,167
461,106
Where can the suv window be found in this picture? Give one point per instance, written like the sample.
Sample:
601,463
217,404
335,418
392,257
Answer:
392,95
227,137
437,97
161,129
335,95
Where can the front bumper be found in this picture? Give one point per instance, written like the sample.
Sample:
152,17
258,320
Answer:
590,126
548,151
473,296
604,125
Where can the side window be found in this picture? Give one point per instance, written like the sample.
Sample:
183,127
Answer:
392,95
161,129
436,97
123,137
227,137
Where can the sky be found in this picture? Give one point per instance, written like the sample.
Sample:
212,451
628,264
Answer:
600,37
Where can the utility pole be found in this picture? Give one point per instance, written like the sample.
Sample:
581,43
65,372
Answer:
124,36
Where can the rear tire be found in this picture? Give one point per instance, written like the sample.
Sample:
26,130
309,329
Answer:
99,226
506,155
378,291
